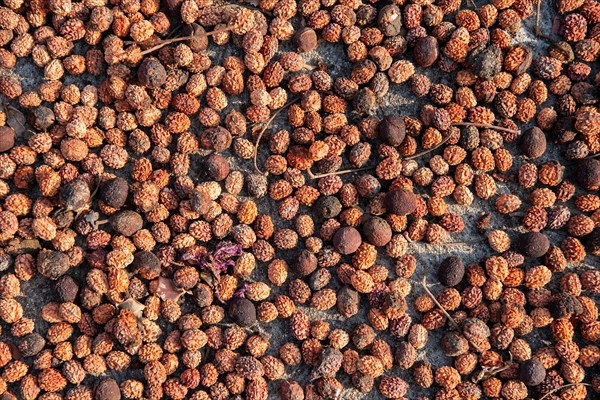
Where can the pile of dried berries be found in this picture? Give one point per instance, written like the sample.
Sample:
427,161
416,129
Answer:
176,227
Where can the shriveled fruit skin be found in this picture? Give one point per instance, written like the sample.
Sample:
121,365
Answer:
146,264
126,222
152,73
306,263
7,138
75,195
52,264
306,40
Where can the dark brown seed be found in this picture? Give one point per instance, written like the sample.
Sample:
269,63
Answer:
346,240
31,344
592,243
328,207
126,222
305,40
426,51
400,202
392,130
114,192
7,138
52,264
152,73
217,167
146,264
306,263
243,312
533,142
451,271
532,372
200,201
376,231
588,173
75,195
107,389
533,244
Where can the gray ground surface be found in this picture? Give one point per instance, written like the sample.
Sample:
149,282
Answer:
399,101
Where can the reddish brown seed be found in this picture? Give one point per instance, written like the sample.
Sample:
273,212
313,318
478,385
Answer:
426,51
588,173
376,231
7,138
306,263
305,40
347,240
400,202
107,389
392,130
217,167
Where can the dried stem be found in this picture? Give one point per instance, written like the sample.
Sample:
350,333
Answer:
343,172
437,146
263,130
424,285
496,127
563,387
537,18
166,42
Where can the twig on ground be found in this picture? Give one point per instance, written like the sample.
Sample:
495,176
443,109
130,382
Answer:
263,130
343,172
498,128
424,285
563,387
437,146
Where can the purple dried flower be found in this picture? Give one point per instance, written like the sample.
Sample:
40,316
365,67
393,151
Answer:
241,292
216,262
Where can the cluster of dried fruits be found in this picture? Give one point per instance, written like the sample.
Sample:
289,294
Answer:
155,264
